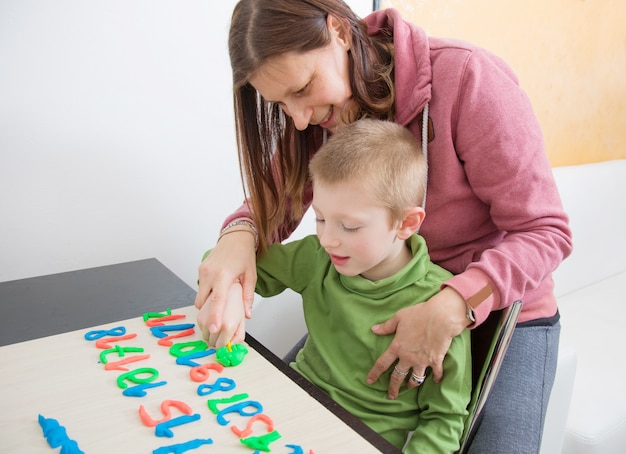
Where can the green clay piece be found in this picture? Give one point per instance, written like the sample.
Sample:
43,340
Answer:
212,403
261,443
148,315
134,376
232,356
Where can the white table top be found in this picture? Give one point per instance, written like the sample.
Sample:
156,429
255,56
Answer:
61,377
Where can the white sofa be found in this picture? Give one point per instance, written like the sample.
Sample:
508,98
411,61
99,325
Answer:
587,410
590,289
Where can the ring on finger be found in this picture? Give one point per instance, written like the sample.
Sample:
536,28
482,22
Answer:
418,379
399,372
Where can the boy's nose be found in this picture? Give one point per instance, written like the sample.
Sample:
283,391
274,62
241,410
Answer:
327,239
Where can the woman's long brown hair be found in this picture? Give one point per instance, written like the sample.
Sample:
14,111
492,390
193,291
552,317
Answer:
273,154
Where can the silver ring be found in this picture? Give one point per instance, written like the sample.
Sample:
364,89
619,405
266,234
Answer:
417,379
399,372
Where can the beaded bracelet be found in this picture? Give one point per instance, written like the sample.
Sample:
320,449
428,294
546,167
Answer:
249,224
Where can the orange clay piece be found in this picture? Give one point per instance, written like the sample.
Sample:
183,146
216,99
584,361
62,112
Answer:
159,321
201,373
248,430
117,365
167,341
104,344
121,352
147,420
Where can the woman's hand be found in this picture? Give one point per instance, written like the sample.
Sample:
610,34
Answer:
233,260
423,335
233,326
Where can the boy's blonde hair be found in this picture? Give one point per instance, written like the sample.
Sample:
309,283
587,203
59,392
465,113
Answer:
383,157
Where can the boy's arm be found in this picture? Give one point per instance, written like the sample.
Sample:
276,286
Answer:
291,265
233,328
282,266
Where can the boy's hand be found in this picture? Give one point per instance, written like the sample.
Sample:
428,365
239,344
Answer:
233,326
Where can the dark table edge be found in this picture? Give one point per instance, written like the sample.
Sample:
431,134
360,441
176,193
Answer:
352,421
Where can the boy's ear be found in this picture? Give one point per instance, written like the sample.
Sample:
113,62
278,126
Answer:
411,222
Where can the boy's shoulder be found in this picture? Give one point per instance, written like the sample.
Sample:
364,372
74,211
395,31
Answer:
418,246
307,248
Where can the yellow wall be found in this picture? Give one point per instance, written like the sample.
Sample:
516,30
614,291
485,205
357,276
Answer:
570,56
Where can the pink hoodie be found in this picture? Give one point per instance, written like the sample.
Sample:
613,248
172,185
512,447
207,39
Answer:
494,215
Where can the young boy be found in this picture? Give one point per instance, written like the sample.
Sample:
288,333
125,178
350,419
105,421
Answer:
365,263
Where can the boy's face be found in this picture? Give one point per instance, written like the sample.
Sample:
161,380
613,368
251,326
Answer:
356,231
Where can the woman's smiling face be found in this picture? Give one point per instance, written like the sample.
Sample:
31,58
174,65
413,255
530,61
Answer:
313,88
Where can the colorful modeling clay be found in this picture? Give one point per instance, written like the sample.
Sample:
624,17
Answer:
261,443
119,365
231,355
138,376
187,359
147,420
137,381
140,390
143,378
213,403
121,352
201,373
248,430
148,315
183,447
221,384
100,333
188,348
159,321
105,342
159,331
56,436
163,429
239,408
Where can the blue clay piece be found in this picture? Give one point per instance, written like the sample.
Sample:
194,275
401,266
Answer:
56,435
139,390
183,447
160,331
48,425
296,449
71,447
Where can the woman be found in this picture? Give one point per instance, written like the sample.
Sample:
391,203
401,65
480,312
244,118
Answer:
303,69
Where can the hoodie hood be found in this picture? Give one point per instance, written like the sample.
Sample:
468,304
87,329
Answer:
412,70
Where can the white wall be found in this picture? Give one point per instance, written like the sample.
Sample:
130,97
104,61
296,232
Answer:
116,133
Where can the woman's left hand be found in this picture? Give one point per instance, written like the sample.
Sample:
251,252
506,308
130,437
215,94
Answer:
423,336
